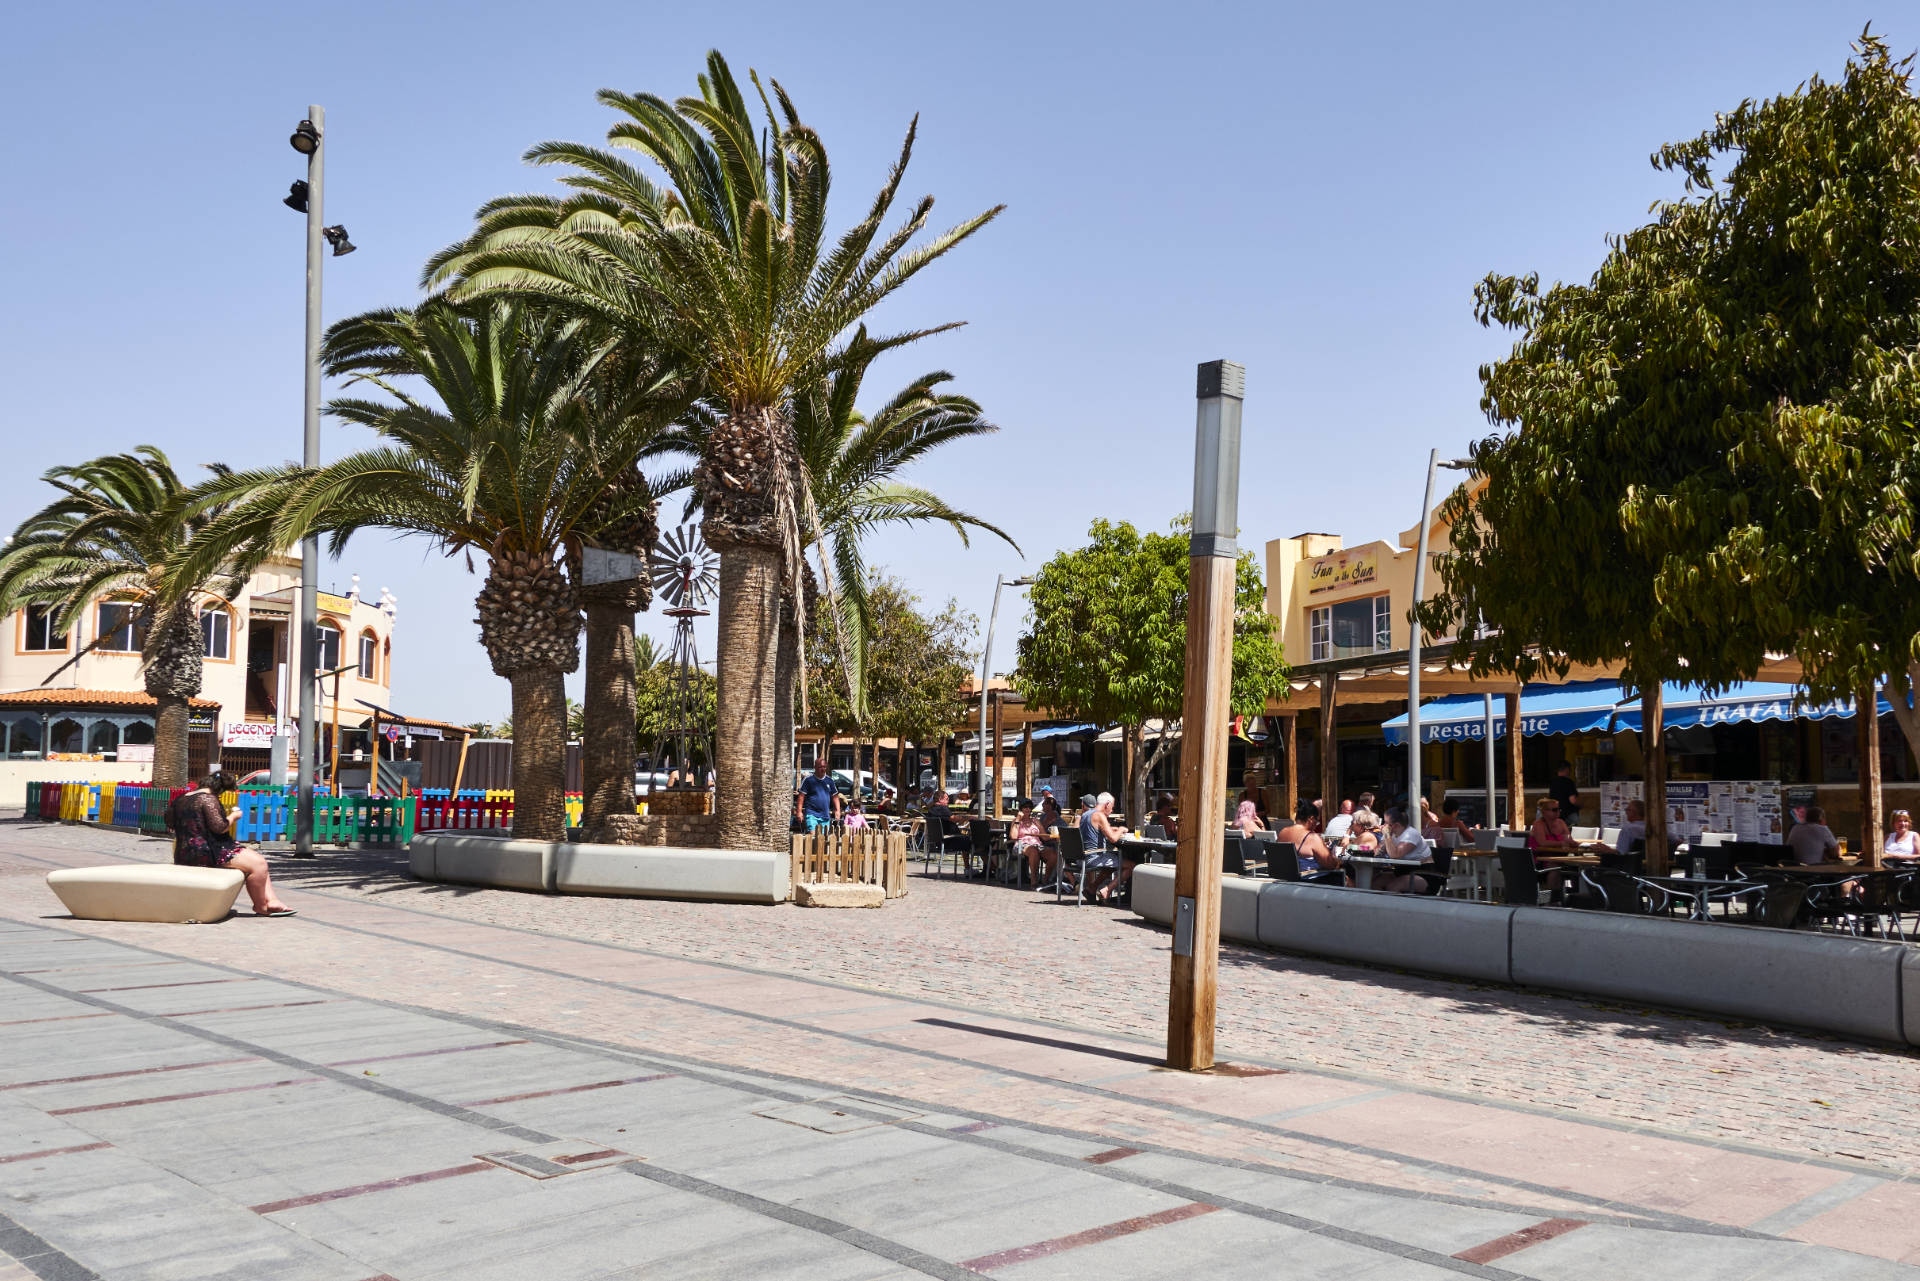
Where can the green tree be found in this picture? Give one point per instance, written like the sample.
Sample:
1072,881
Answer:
512,454
729,269
119,527
654,675
1108,636
1710,454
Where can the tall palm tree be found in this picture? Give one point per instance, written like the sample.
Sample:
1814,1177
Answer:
120,525
515,455
728,268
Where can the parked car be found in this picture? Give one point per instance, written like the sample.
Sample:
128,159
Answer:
871,788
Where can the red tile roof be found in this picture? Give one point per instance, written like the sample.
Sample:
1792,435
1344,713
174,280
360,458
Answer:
54,698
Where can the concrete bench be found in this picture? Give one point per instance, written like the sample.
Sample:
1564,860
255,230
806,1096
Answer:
1239,901
636,871
147,892
1440,936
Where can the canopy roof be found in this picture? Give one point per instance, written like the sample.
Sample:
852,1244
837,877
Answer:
1603,707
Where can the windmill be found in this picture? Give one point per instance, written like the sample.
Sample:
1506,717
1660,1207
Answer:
686,576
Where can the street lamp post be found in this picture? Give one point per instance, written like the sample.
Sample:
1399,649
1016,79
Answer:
986,661
1212,556
1414,791
310,138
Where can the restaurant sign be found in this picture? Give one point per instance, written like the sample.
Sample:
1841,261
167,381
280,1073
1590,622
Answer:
1342,571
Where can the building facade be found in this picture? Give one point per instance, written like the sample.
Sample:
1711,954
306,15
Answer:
82,695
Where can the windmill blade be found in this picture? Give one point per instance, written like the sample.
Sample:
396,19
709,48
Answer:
684,569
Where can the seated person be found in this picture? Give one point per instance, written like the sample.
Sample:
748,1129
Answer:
1902,845
1035,840
1100,839
203,837
1364,836
1166,815
1633,832
1338,827
1548,832
1246,820
1314,857
1813,841
1405,844
1449,821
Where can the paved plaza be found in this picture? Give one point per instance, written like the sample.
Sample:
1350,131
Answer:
423,1081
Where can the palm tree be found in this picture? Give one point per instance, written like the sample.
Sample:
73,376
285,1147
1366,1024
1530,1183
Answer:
729,270
119,526
516,461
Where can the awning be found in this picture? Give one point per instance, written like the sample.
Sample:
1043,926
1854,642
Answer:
1603,707
1152,731
1016,740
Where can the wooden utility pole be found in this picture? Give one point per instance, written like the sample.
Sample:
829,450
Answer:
1290,788
1026,757
1653,748
1872,827
460,770
1516,769
1329,753
1213,552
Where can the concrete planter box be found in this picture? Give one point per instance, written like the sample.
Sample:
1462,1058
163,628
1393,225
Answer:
1441,936
568,867
1845,985
1239,901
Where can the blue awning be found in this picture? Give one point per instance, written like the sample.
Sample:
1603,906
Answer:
1602,707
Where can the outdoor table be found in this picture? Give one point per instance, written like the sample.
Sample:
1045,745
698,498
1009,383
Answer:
1143,849
1820,871
1699,890
1479,866
1363,865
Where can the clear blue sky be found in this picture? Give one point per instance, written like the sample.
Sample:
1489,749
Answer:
1309,189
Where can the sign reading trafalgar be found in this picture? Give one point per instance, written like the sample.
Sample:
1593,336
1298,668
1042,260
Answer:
1343,570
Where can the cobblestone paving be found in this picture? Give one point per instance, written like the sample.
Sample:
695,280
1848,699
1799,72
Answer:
1100,969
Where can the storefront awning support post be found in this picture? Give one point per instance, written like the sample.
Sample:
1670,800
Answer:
1492,809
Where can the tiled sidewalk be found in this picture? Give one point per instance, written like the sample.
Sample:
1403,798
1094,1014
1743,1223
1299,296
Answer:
974,1142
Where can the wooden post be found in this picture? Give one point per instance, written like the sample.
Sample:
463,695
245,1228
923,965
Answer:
1867,718
940,784
1516,767
460,769
1203,794
1290,793
1653,747
999,737
1026,757
1329,753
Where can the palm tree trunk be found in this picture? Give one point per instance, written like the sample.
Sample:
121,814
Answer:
607,748
170,741
539,754
748,796
785,675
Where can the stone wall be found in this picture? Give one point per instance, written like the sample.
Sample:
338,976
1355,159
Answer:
683,830
689,801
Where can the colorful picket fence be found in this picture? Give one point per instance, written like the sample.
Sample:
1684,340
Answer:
464,815
266,814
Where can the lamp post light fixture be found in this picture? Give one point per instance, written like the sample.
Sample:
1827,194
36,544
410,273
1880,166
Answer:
1414,789
306,135
1213,551
986,662
337,237
296,198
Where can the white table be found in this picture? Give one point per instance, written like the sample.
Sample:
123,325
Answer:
1363,865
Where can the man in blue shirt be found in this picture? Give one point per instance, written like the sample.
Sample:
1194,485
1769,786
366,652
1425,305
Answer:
819,800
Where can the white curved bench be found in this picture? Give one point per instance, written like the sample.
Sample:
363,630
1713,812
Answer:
147,892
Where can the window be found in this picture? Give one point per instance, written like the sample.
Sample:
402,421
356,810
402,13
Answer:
216,629
40,631
119,632
329,646
369,657
1350,627
103,738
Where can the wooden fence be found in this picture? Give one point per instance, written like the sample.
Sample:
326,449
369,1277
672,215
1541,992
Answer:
866,856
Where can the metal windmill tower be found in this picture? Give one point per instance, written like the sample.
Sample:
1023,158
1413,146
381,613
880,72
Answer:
686,576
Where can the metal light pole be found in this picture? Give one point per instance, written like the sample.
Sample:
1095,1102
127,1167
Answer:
310,139
1413,650
1487,701
1212,555
986,661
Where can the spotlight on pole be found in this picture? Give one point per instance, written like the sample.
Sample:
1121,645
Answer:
297,197
305,139
337,237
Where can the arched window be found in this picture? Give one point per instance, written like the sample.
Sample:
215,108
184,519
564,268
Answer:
104,738
65,736
24,737
369,656
329,645
216,630
138,732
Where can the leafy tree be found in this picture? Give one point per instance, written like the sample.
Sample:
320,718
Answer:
1710,455
728,268
654,676
1108,638
915,669
120,526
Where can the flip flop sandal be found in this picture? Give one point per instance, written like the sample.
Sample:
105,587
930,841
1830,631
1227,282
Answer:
279,911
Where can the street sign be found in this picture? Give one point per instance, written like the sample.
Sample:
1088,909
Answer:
393,733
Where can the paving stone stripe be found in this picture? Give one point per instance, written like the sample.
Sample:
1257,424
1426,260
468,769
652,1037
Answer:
1092,1236
1514,1242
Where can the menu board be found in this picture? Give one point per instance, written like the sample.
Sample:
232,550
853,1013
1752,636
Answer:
1751,810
